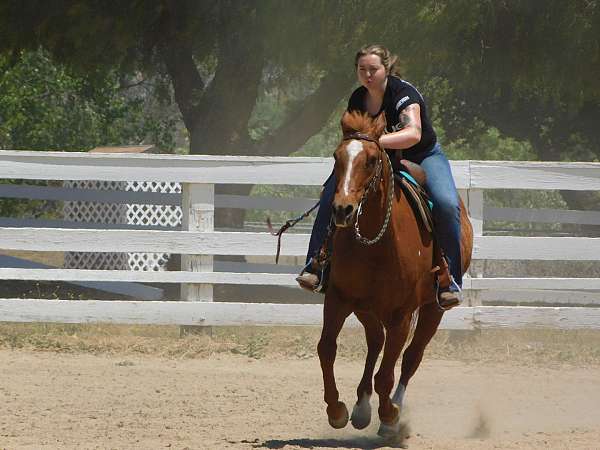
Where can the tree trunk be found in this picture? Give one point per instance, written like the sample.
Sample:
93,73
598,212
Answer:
217,115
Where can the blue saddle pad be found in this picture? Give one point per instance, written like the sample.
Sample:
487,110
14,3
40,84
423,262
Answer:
410,178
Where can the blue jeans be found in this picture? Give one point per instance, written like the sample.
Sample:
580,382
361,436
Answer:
442,192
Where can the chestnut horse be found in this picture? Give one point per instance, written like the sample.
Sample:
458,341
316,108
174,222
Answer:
380,271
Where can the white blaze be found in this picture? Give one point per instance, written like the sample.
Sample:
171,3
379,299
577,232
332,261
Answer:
353,149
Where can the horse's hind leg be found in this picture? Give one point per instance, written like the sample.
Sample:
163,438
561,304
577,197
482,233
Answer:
334,315
361,413
429,320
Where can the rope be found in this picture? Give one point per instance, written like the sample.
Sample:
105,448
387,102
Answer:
288,224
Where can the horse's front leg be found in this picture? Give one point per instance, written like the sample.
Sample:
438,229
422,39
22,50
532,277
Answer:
361,413
334,315
389,414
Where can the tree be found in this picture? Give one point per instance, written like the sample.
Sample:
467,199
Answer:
528,68
217,55
222,56
44,106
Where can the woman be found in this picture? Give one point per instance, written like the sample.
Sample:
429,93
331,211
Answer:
410,131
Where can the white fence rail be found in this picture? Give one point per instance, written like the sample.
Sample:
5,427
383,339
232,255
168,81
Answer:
197,240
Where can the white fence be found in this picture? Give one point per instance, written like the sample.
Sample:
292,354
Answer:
197,240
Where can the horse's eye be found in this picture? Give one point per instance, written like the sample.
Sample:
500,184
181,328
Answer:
371,160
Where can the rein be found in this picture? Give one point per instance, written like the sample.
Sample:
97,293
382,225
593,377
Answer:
375,179
288,224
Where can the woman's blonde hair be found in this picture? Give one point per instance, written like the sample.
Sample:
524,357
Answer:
388,59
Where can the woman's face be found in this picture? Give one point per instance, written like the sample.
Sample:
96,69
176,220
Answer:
371,73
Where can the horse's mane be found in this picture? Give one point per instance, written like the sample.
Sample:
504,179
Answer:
359,122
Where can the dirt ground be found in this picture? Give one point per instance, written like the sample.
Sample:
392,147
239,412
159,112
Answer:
147,388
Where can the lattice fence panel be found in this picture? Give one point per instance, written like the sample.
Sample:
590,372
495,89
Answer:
93,212
131,214
152,215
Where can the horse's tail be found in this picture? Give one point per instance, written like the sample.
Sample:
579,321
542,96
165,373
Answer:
413,326
466,238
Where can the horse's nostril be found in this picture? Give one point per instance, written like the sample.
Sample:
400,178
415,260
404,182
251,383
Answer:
348,210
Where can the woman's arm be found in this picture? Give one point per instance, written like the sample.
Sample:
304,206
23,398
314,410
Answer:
409,134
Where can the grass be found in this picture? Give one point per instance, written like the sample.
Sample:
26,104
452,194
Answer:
524,347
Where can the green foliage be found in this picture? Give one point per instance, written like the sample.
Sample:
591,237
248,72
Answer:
27,209
487,143
326,141
503,80
268,113
547,49
44,106
578,148
524,55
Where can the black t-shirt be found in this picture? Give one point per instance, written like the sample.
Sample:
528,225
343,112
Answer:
398,95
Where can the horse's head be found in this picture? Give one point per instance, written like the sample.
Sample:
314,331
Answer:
357,159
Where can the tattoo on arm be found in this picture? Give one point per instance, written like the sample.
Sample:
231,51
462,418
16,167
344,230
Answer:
405,120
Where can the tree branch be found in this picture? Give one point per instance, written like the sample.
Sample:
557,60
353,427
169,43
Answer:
308,117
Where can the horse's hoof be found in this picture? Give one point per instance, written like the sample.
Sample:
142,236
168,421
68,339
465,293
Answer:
338,415
395,434
361,413
389,431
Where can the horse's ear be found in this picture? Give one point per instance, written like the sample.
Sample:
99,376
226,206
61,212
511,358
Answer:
379,124
344,122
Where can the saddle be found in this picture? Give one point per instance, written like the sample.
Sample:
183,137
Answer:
412,180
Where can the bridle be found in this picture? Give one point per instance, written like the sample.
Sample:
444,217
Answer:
375,179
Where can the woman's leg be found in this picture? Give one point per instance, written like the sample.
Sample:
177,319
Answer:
446,207
308,279
319,230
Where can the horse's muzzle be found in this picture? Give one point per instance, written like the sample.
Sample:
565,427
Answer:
344,215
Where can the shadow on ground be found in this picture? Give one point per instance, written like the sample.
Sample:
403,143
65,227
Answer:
357,442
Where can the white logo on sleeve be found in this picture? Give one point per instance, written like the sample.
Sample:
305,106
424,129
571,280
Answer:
402,101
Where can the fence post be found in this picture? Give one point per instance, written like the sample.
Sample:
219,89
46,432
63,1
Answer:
475,207
198,210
